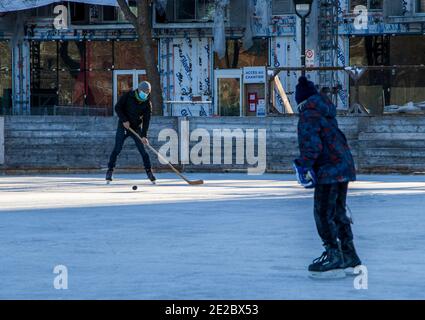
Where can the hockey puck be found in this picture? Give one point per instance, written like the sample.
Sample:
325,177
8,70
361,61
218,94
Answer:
134,187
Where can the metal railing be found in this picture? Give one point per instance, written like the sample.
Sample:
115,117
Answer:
373,90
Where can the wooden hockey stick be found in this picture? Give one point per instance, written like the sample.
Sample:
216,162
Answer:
160,156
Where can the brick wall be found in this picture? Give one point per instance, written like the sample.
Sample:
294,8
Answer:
58,143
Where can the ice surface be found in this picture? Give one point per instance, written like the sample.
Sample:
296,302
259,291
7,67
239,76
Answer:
236,237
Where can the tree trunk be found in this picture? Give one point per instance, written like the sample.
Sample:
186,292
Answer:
148,57
144,31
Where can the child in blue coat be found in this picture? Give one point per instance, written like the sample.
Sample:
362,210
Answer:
326,164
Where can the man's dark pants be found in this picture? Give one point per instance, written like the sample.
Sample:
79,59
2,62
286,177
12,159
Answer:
330,213
120,137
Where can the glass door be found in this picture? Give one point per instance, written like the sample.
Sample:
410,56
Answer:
126,80
228,92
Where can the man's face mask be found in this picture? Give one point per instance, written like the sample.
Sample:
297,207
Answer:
143,96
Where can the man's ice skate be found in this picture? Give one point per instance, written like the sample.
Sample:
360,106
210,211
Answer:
350,258
108,177
150,175
328,265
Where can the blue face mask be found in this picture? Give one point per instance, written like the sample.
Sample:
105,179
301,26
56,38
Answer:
143,96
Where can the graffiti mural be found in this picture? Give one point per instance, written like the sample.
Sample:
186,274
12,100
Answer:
186,74
284,54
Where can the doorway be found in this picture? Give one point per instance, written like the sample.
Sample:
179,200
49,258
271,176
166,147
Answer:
126,80
228,92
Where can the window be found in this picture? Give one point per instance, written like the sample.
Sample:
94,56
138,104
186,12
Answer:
44,72
370,4
74,75
99,55
355,3
205,10
399,86
72,64
420,6
186,10
133,8
127,55
237,57
375,4
201,10
79,13
110,13
44,11
99,89
114,14
5,78
280,7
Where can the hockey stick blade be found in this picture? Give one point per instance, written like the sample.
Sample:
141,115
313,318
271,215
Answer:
195,182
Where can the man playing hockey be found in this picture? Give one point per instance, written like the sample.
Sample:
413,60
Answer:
134,110
325,164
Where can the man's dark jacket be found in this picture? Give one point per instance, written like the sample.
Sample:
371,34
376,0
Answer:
130,108
323,146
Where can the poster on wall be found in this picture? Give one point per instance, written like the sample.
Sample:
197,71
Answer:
254,75
252,101
342,77
284,53
343,60
186,73
261,108
309,58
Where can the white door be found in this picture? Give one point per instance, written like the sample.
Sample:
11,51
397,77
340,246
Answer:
228,92
126,80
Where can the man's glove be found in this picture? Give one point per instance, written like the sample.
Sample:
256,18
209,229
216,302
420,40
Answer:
306,177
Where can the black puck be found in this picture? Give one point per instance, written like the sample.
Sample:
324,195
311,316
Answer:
134,187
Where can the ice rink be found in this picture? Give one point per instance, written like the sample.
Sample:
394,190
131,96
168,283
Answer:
236,237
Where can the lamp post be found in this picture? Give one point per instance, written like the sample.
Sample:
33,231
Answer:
303,10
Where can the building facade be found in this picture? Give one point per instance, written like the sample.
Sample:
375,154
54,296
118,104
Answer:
84,68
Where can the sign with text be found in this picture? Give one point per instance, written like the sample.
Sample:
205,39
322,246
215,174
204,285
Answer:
261,108
309,58
254,75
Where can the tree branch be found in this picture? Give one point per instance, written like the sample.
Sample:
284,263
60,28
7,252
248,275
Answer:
130,16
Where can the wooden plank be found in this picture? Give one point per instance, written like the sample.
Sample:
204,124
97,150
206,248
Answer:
283,96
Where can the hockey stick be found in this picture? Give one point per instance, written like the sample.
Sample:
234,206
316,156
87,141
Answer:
161,157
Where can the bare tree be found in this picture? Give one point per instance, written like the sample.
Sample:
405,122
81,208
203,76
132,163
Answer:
144,32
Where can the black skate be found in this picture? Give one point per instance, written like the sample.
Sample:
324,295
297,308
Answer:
350,258
150,175
328,265
108,177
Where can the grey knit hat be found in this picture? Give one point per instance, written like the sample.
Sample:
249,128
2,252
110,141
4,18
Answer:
145,87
